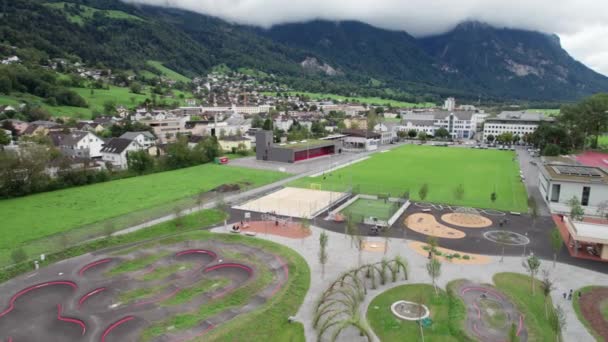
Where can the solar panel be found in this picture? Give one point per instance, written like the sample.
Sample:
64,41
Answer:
577,171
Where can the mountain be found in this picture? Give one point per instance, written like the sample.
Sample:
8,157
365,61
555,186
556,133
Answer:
348,58
530,65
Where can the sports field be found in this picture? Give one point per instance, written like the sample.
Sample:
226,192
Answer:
363,207
407,168
27,219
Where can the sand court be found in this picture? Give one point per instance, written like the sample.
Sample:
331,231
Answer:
428,225
294,202
466,220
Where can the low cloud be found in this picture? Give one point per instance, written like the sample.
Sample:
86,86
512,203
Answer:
582,24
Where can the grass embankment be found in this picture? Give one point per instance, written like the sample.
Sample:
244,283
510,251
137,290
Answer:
579,314
168,73
518,288
480,172
446,311
266,323
29,221
86,13
369,100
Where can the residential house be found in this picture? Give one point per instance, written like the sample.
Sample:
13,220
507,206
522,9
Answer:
143,138
90,126
232,142
115,151
82,144
18,125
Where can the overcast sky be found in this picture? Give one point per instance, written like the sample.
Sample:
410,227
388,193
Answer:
581,24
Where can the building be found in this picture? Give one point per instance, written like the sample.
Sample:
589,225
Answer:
449,104
292,152
81,144
357,140
233,109
587,238
18,125
518,123
459,124
143,138
168,128
115,151
559,182
232,142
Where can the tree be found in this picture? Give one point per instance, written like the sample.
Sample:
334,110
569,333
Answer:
502,239
433,267
557,321
352,230
412,133
18,255
139,162
493,196
109,107
532,265
556,243
513,333
323,239
257,122
267,126
602,209
442,133
135,88
422,136
576,210
547,286
490,138
459,192
305,227
5,139
551,150
423,192
372,120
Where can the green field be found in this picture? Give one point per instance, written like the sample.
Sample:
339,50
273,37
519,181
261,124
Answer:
369,100
170,74
389,328
603,141
88,12
363,207
481,172
550,112
35,217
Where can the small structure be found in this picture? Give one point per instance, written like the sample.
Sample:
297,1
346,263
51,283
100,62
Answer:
410,311
587,237
361,140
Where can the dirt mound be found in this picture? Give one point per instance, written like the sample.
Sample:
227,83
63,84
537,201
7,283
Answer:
227,188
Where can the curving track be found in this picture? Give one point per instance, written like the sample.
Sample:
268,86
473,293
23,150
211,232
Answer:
76,300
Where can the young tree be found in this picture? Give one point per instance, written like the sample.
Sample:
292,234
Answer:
490,138
558,322
556,243
459,192
323,239
513,333
576,210
424,190
503,239
433,267
422,136
547,286
493,196
18,255
442,133
412,133
5,139
532,265
356,240
305,227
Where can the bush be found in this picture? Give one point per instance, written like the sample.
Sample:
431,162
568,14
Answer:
551,150
456,255
18,255
466,257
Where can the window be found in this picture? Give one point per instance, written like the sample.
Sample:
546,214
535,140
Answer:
555,189
585,197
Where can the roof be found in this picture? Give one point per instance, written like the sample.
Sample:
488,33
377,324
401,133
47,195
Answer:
116,145
438,115
44,123
67,139
133,135
195,139
521,115
575,173
361,133
587,231
305,144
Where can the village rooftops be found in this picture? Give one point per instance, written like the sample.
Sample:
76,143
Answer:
233,138
361,133
574,173
116,145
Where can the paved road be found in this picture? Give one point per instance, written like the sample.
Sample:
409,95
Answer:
530,172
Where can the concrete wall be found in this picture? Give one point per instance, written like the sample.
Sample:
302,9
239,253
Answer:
599,193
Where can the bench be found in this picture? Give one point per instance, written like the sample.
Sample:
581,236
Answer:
426,210
251,233
515,213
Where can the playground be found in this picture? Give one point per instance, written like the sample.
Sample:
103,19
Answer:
364,208
293,202
173,292
490,314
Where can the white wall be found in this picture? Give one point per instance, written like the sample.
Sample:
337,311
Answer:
599,193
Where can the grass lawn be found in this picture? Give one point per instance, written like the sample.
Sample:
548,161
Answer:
88,12
363,207
550,112
518,288
369,100
140,293
185,295
165,271
389,328
603,141
579,314
170,74
481,172
135,264
61,211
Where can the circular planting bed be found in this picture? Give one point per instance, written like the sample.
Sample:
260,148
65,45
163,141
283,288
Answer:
506,237
410,311
175,291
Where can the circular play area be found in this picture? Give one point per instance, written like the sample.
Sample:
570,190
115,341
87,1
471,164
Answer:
140,293
409,311
490,314
466,218
506,237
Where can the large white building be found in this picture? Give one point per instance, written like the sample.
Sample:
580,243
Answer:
517,123
559,183
460,124
233,109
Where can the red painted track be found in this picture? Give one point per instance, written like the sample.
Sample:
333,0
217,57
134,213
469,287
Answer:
229,265
86,296
499,296
93,264
482,289
286,271
197,251
11,304
71,320
115,325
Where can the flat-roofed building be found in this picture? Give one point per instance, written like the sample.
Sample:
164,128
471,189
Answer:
295,151
518,123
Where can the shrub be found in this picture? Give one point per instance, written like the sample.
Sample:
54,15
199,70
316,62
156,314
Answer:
18,255
466,257
456,255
